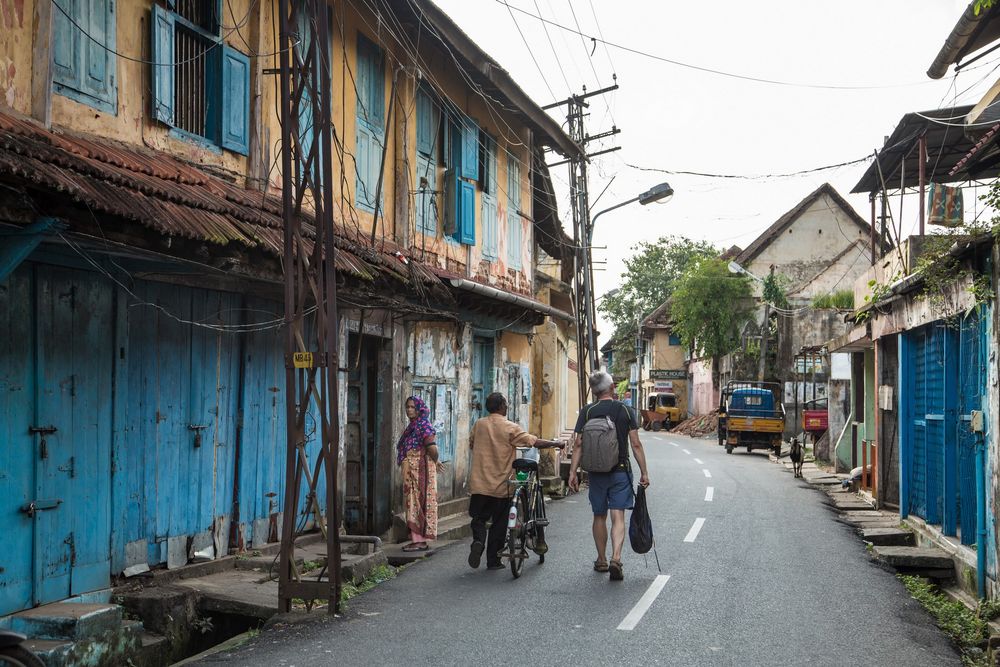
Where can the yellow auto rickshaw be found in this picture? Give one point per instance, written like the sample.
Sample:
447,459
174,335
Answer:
661,411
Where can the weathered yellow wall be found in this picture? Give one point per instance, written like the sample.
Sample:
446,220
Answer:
132,122
15,54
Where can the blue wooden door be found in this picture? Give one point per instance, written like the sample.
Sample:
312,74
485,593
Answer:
935,420
74,339
918,449
17,447
482,374
972,376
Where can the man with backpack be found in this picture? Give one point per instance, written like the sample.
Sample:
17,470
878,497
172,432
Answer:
604,431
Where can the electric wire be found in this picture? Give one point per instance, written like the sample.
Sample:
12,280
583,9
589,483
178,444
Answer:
710,70
176,63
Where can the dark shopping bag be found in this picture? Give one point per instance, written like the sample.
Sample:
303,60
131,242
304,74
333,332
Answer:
640,528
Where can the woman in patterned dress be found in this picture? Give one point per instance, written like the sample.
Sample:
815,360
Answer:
417,454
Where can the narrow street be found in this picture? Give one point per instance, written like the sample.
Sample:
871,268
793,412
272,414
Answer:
760,572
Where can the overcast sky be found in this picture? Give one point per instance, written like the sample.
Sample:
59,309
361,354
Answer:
678,118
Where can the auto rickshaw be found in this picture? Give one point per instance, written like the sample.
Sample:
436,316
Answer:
661,411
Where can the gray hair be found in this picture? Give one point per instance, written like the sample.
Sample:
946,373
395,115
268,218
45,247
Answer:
601,382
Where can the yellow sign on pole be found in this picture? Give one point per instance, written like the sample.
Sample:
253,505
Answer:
302,359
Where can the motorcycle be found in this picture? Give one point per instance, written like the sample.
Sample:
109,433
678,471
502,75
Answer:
13,654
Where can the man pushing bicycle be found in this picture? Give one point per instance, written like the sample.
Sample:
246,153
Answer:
494,441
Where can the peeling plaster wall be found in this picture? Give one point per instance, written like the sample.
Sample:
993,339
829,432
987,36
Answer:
704,395
15,54
807,251
439,363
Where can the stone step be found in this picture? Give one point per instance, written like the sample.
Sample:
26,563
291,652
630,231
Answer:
888,537
455,527
850,504
52,652
153,650
65,620
914,558
554,486
448,508
397,557
823,481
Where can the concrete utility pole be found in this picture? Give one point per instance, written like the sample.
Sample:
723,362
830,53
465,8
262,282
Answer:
588,355
764,331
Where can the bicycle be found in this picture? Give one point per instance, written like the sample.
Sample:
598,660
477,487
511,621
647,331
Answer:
526,520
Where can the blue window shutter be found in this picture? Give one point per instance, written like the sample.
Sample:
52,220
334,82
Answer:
235,101
98,77
66,51
162,69
470,149
370,82
467,216
425,123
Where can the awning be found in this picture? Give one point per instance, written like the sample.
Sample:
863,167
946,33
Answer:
857,339
507,297
947,146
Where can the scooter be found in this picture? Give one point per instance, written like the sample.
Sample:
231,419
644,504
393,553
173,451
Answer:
13,654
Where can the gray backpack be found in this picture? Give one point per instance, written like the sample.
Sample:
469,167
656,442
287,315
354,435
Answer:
599,441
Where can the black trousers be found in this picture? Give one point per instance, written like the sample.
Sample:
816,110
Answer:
487,509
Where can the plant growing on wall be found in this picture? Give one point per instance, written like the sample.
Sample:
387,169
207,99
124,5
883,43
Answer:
710,307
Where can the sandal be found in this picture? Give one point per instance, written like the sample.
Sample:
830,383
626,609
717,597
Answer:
615,567
600,566
416,546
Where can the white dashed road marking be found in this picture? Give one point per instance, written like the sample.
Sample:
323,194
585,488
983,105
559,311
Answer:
695,529
709,494
675,444
707,474
698,461
644,603
686,452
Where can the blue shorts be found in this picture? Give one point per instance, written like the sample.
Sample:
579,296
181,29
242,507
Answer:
610,490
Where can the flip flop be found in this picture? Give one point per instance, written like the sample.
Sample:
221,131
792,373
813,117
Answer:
419,546
600,566
615,567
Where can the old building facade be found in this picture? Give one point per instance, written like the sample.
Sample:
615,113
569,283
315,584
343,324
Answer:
142,364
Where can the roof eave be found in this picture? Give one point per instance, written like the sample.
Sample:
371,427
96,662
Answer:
957,41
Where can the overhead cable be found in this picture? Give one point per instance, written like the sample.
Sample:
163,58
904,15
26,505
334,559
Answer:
710,70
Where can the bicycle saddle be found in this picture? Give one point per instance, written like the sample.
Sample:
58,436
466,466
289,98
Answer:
526,464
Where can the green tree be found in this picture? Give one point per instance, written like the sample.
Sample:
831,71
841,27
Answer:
710,307
649,278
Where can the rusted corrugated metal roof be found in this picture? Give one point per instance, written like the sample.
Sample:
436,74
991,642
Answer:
172,197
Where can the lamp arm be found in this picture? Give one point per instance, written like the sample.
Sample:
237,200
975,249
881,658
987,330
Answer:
593,221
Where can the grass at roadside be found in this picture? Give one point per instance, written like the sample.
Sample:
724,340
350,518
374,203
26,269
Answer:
968,628
380,574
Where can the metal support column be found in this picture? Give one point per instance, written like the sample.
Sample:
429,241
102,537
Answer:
312,332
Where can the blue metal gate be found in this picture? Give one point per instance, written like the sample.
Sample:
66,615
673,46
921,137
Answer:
942,381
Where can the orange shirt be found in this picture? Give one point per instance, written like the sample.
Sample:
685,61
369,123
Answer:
493,441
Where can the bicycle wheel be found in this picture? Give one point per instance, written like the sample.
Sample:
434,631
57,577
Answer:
540,521
18,656
516,534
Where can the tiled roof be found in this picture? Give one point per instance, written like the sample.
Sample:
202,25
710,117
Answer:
171,197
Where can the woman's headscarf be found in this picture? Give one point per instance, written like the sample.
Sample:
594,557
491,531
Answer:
416,431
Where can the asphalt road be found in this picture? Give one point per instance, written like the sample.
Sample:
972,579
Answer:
771,578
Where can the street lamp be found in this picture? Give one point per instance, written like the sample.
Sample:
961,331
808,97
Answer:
654,194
